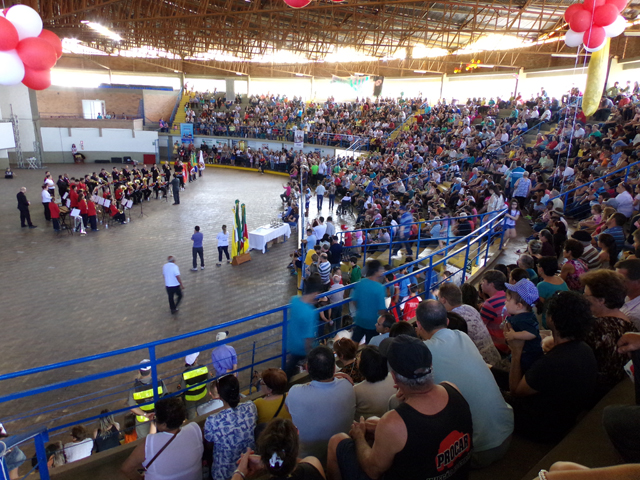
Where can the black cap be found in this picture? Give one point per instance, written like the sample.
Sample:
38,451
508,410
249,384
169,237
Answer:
581,236
408,356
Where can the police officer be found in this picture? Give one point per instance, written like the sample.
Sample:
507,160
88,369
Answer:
193,375
142,392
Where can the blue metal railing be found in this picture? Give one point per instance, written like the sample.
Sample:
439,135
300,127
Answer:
564,196
474,247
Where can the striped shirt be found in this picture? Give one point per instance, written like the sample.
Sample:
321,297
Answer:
492,314
590,256
618,234
324,269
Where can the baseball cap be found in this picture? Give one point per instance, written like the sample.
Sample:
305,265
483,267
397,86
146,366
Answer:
408,356
191,359
526,289
581,236
146,368
221,336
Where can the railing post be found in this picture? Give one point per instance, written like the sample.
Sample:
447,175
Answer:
253,360
626,174
418,245
489,238
427,287
284,337
154,372
504,224
41,454
466,260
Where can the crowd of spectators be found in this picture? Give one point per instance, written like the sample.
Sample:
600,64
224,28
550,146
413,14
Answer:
408,393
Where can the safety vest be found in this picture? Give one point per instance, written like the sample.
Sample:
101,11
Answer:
142,393
194,376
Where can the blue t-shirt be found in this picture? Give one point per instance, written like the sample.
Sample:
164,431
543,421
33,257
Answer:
369,297
527,322
197,239
303,321
404,287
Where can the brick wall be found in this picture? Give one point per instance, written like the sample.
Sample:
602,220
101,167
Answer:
68,101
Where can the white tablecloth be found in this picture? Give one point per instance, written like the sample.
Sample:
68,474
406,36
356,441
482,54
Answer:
259,237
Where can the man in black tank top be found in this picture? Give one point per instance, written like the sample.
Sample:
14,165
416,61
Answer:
428,437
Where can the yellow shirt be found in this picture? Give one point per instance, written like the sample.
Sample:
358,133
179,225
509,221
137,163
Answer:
310,253
267,408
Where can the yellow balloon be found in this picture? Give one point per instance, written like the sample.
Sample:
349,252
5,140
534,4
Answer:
596,77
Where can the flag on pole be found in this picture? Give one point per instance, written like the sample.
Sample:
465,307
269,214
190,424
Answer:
245,232
235,238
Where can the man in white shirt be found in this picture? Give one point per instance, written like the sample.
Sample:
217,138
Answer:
46,199
320,229
320,191
173,283
630,270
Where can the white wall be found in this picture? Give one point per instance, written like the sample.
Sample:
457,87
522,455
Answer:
555,82
110,140
18,97
462,87
292,87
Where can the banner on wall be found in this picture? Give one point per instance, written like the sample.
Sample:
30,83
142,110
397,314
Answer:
186,132
353,81
298,139
377,86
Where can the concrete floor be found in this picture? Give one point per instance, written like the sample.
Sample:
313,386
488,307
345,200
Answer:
70,296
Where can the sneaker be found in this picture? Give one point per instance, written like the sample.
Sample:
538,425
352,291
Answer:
202,267
218,264
33,226
83,232
228,261
194,269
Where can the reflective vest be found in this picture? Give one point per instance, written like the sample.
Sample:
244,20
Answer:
194,376
141,394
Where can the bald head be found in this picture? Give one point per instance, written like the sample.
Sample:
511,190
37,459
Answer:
171,259
431,315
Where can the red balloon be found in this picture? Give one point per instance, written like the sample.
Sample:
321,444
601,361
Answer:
569,12
37,53
580,21
297,3
591,5
37,79
594,37
619,4
53,40
8,35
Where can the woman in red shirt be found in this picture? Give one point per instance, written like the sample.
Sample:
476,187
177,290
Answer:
116,214
73,196
55,215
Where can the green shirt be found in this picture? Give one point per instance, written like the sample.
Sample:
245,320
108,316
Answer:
314,169
356,274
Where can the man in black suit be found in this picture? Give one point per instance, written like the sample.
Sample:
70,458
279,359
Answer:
23,206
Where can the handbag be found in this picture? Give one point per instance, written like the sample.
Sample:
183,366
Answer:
145,468
261,426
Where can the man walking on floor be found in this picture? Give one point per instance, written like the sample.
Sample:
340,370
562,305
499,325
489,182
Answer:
320,191
175,187
223,245
173,283
198,249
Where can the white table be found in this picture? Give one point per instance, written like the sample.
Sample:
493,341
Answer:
259,237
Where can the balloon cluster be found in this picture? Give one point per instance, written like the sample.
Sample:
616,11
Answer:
593,21
27,52
304,3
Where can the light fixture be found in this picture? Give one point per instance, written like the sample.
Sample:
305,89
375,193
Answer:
238,73
422,51
176,71
419,71
299,74
567,55
632,34
103,30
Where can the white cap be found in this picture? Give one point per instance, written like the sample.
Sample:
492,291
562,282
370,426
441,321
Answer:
221,336
191,359
147,367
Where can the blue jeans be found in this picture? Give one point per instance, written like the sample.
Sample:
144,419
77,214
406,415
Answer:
320,198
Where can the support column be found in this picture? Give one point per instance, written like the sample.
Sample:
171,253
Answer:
230,92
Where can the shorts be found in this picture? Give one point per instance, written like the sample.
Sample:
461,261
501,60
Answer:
347,458
507,227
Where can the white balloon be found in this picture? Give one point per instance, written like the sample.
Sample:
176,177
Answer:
616,28
599,47
26,20
12,71
573,39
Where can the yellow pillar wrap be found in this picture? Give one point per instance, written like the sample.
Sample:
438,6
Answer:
596,76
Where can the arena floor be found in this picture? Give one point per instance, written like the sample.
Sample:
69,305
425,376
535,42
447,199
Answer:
71,296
